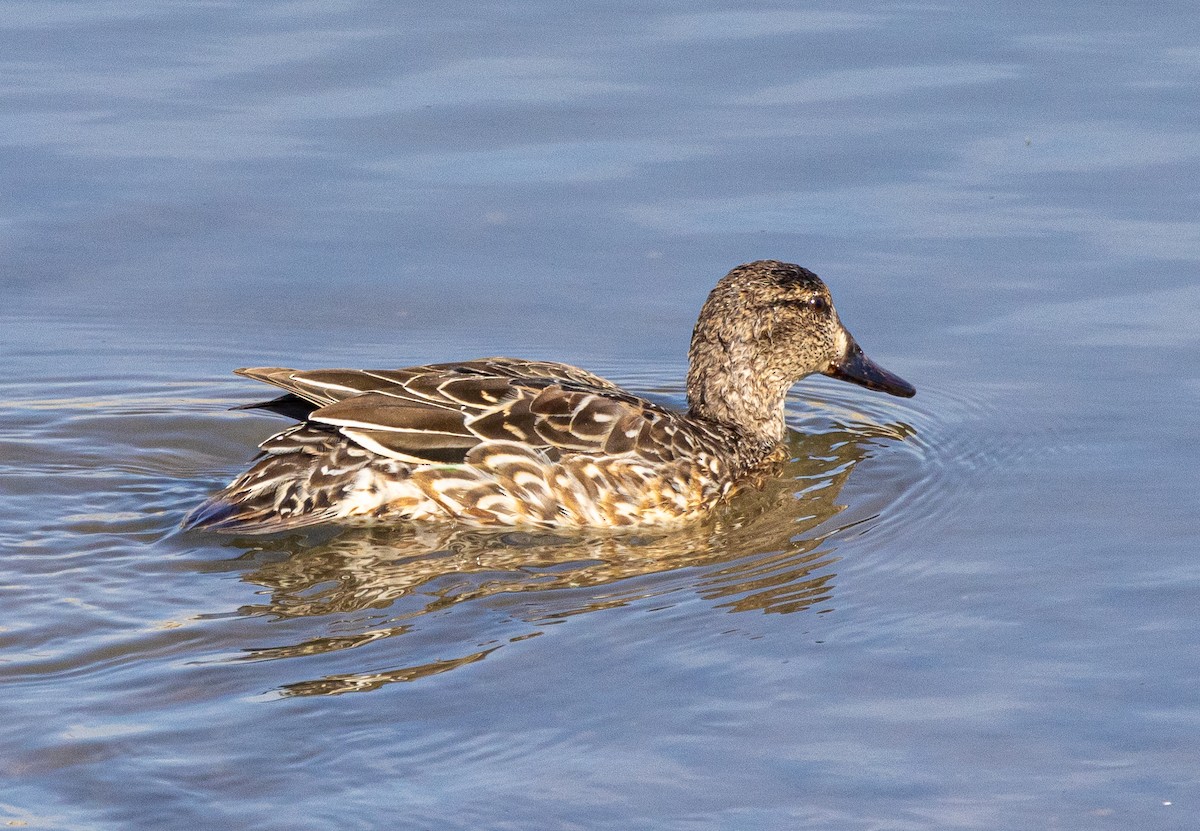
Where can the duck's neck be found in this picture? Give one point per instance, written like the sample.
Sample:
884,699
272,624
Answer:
731,383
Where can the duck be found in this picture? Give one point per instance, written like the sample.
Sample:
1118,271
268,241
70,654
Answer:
508,442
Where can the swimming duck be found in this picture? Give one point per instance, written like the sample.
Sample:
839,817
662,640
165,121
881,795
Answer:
509,442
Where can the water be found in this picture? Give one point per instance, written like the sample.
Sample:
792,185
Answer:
974,609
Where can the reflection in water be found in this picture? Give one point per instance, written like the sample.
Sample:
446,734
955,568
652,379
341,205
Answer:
365,681
761,553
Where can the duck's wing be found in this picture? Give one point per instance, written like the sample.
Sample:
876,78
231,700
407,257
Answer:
434,414
325,386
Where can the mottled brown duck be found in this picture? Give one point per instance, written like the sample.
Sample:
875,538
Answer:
508,442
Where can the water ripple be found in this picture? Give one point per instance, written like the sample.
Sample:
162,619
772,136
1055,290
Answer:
353,609
771,551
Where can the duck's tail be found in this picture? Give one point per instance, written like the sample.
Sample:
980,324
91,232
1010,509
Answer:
302,478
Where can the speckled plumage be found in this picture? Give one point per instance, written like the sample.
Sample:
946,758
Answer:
502,441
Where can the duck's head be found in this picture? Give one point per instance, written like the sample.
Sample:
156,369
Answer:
765,326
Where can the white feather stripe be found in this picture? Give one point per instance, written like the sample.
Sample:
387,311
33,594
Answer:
322,385
514,430
497,504
498,461
530,480
450,492
371,425
405,394
390,381
375,447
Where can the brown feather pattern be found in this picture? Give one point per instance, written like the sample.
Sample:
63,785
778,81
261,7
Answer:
503,441
489,442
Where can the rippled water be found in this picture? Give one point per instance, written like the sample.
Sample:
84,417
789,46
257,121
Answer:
974,609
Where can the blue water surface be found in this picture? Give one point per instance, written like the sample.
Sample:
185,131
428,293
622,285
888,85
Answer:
973,610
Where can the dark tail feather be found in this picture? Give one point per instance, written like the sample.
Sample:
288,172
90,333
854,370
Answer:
292,406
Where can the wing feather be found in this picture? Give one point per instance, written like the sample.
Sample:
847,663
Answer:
379,411
435,414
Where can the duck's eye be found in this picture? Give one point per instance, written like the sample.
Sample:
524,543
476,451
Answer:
817,303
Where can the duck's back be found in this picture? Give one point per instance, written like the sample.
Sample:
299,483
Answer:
497,441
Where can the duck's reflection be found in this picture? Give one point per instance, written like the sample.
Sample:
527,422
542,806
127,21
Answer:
764,552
